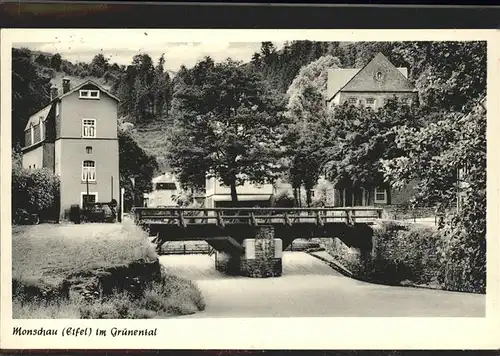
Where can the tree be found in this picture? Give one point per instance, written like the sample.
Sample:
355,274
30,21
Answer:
99,65
306,112
434,155
365,51
227,124
361,137
144,90
30,93
449,75
42,60
134,163
56,61
161,90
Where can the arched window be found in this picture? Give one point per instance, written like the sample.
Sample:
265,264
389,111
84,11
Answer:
88,171
88,149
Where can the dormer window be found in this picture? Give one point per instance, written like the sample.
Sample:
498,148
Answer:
89,94
42,129
32,133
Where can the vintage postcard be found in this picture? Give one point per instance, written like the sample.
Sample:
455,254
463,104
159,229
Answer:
229,189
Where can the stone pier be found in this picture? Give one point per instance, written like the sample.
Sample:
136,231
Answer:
260,258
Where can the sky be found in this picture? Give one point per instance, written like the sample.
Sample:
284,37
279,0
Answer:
83,45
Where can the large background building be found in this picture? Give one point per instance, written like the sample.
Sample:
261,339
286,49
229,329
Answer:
164,193
369,86
76,137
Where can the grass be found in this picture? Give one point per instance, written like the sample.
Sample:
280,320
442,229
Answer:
153,140
44,255
169,297
51,252
56,309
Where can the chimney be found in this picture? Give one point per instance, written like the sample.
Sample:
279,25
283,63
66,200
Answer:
54,93
65,85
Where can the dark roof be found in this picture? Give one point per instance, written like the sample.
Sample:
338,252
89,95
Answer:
45,110
393,79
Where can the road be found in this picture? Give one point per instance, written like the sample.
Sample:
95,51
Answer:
310,288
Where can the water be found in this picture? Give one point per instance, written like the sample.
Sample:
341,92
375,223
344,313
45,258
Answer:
310,288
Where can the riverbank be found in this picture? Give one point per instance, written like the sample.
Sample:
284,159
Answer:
94,271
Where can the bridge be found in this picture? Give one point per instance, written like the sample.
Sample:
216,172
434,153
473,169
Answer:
250,241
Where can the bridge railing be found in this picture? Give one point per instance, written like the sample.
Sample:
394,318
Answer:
255,216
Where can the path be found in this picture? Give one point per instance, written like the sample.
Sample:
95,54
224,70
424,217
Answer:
309,288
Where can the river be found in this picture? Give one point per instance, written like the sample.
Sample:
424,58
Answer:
310,288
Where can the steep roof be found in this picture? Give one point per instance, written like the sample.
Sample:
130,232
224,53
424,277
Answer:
166,177
338,78
45,110
367,78
40,115
87,82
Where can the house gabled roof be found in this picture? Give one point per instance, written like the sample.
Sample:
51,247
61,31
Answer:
166,177
45,110
364,79
87,82
40,115
338,78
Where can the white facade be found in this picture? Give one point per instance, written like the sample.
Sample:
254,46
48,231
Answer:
216,192
165,191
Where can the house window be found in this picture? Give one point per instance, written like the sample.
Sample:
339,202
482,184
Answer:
88,171
380,196
88,149
408,101
42,129
370,102
32,133
166,186
88,198
379,75
88,128
89,94
353,101
27,138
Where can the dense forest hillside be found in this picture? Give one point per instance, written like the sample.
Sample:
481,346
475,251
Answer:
146,88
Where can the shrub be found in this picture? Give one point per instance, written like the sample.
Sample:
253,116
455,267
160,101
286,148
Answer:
169,296
462,246
33,190
283,199
405,253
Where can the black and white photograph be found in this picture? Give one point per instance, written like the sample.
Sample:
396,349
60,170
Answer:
153,178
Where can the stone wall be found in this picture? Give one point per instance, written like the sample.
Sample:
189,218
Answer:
101,282
227,263
262,254
92,284
261,259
